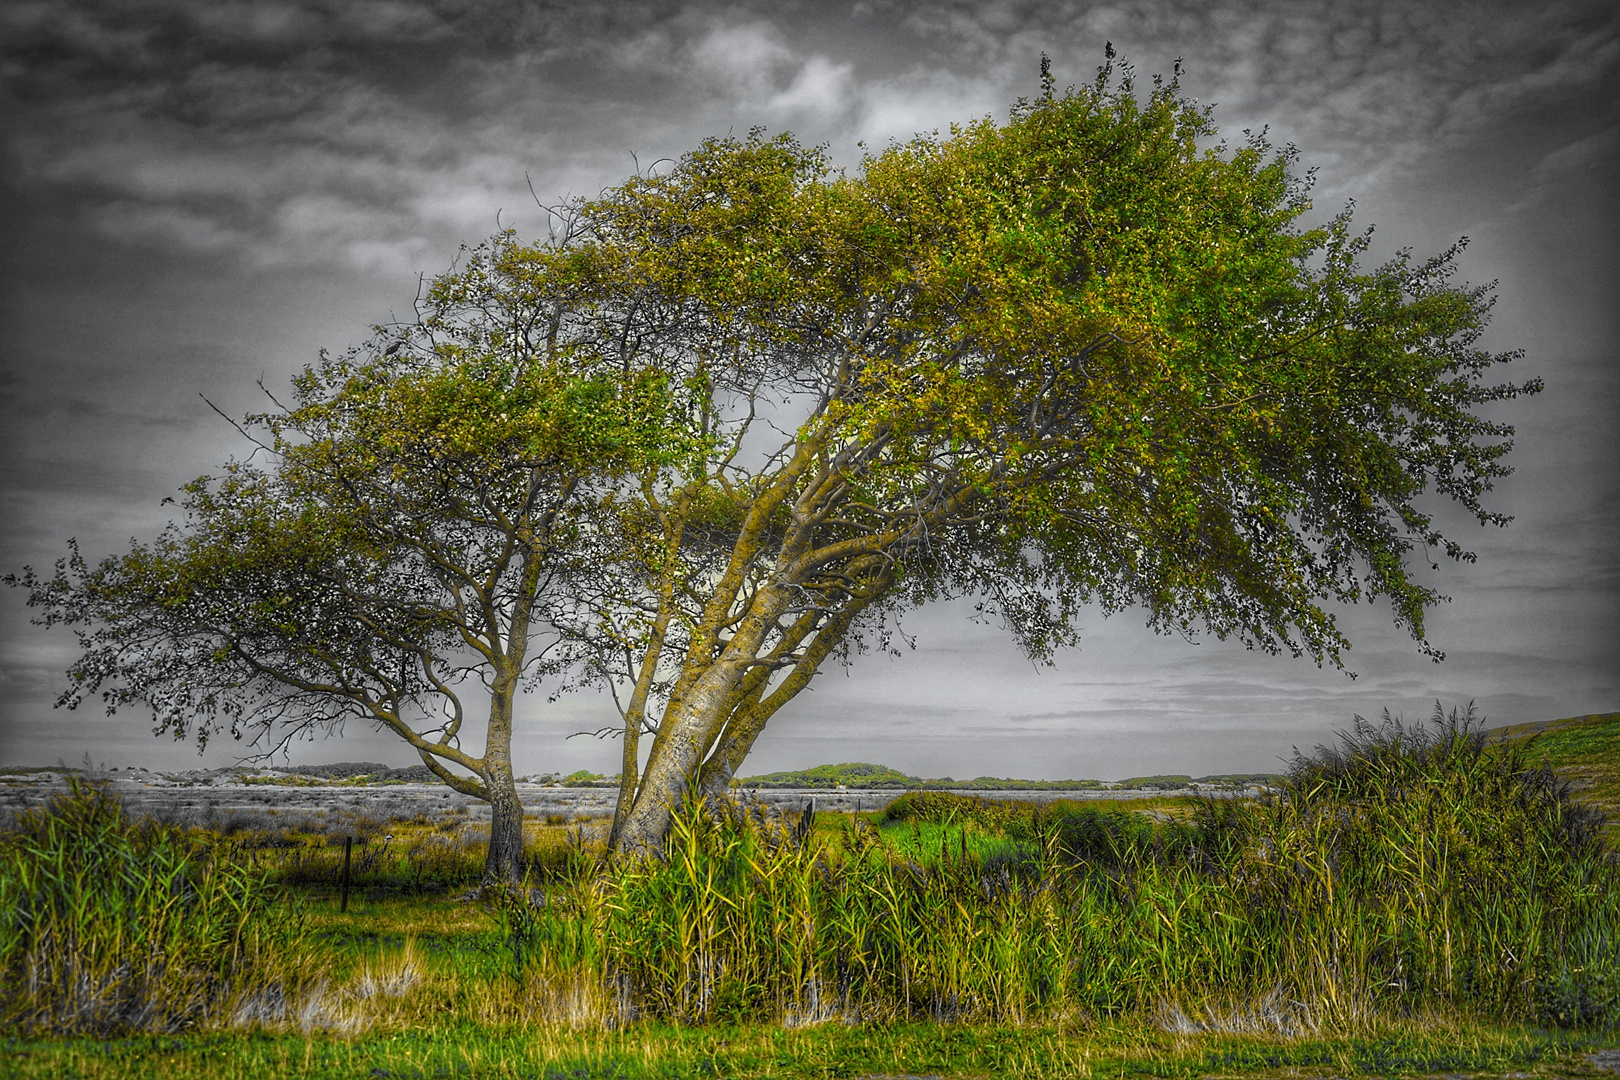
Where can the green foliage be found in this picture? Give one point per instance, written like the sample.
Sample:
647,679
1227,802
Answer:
582,778
418,503
421,521
1095,340
107,926
1157,782
1079,359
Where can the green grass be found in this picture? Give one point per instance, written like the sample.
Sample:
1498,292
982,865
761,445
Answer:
665,1052
1420,870
1585,750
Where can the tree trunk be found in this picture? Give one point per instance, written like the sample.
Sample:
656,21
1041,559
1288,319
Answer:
707,732
675,761
662,787
629,775
504,863
721,765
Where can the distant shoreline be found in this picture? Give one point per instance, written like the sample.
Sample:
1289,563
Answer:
227,804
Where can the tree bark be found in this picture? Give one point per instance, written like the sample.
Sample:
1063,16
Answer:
504,863
676,758
711,731
756,710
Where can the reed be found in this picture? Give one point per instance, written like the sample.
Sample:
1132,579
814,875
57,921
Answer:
1411,870
1447,868
107,925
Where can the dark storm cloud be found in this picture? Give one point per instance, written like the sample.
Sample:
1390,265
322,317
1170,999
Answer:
359,131
1373,75
282,132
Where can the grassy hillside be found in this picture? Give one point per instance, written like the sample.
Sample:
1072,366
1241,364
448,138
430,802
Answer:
1585,750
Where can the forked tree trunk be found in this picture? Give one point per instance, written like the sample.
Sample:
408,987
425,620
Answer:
709,729
662,788
674,766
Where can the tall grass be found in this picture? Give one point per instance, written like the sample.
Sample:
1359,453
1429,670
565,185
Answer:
1412,870
422,859
107,925
1447,868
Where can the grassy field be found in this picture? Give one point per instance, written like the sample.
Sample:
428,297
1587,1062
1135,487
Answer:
663,1052
1585,750
1421,901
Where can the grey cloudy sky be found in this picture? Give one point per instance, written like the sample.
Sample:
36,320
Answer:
195,194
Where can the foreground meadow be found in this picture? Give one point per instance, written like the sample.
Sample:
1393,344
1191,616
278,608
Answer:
1418,900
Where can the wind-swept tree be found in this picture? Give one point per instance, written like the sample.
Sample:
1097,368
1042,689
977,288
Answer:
1073,359
750,407
410,548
